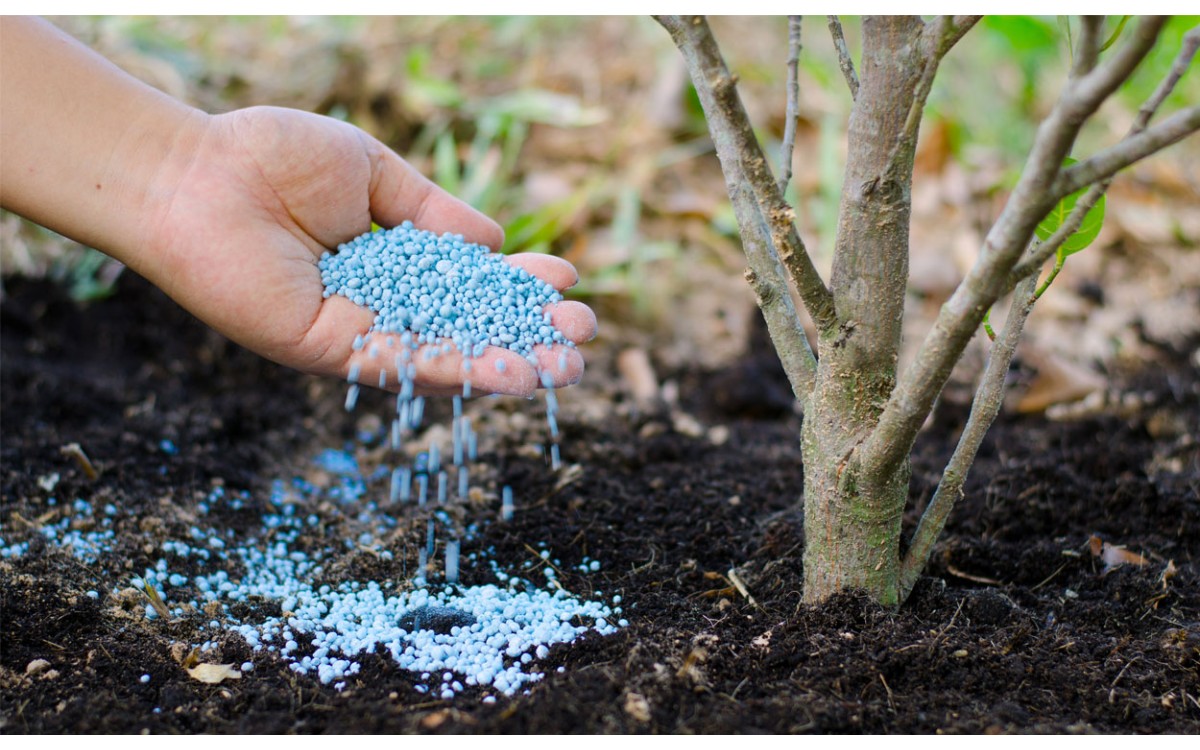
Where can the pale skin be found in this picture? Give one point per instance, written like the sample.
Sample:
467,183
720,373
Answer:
229,213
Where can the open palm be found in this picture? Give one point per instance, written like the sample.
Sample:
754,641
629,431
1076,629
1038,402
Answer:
271,189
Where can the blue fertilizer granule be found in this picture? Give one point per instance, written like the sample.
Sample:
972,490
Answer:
442,289
271,586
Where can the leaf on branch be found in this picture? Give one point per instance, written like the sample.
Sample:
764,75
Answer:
1116,33
1088,231
1064,25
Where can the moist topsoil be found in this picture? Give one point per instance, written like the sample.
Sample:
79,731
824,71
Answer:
1018,626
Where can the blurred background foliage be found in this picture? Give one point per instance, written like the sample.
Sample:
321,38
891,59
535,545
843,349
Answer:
582,136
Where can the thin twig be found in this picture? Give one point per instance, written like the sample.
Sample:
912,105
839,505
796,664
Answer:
984,408
793,103
892,439
1133,149
1024,277
845,62
1089,46
1112,691
1041,253
1191,43
738,149
937,39
890,697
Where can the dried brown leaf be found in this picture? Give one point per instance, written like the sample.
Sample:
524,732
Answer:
1113,555
1168,573
214,674
1057,381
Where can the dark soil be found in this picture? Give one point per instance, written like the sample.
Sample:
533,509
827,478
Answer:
1018,628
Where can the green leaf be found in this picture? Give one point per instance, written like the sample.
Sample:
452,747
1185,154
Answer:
1064,25
1088,231
1116,33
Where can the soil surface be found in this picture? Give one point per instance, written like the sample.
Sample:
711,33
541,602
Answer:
1020,625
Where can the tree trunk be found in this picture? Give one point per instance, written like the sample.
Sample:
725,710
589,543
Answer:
859,427
852,520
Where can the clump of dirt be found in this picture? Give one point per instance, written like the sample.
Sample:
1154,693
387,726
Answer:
1017,628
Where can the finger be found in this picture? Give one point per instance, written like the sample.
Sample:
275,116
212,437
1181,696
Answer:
558,366
553,270
440,369
328,344
399,193
575,319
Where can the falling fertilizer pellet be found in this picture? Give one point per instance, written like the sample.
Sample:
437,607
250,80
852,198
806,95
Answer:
439,293
506,504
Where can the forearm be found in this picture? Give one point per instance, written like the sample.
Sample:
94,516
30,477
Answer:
86,149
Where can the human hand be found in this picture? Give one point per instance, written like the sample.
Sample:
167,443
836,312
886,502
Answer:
237,238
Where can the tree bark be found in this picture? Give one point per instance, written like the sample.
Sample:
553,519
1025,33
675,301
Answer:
851,519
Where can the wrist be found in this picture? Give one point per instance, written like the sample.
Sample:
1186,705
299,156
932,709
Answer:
163,149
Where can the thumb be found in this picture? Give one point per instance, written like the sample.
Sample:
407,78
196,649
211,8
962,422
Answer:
400,193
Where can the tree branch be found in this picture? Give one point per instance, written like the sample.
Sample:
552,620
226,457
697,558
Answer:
1090,91
1039,254
1089,46
892,439
845,62
738,149
1188,49
959,27
767,281
1132,149
986,405
793,103
937,39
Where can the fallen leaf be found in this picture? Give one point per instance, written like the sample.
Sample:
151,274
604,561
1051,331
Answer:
1113,555
435,719
1057,381
214,674
637,707
1168,573
36,667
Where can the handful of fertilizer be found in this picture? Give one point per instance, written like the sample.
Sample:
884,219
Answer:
442,289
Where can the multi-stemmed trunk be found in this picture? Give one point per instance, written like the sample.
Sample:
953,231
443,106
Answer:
860,416
851,520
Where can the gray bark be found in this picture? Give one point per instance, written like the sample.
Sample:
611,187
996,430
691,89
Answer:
852,520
